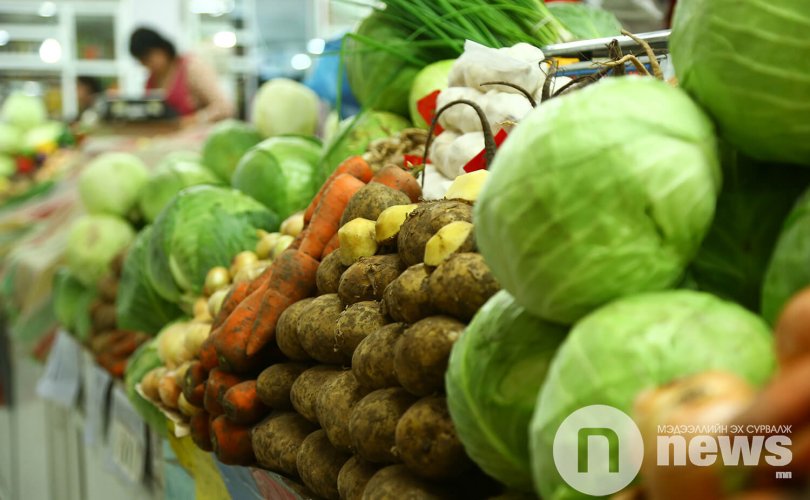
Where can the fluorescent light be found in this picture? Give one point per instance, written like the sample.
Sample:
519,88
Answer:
225,39
211,7
300,62
316,46
50,51
47,9
4,37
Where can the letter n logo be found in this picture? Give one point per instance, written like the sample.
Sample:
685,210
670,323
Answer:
584,439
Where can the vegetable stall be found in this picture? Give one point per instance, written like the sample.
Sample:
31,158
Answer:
412,302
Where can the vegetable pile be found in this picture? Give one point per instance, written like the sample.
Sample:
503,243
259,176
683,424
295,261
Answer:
401,312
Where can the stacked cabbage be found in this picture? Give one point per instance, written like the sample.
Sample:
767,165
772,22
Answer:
600,194
602,200
747,63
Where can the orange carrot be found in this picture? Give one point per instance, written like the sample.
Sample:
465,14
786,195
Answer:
126,344
786,399
399,179
208,353
242,404
232,442
237,294
294,279
218,382
355,166
200,427
231,339
114,366
326,219
194,384
333,245
251,325
260,280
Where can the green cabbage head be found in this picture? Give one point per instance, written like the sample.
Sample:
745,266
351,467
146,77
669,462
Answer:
48,133
754,202
378,73
202,227
640,343
23,111
10,139
8,166
431,78
138,306
112,183
226,144
169,178
788,271
281,172
599,194
495,372
747,63
283,106
94,241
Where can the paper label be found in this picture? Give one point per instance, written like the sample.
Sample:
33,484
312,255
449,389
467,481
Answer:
61,381
127,443
96,402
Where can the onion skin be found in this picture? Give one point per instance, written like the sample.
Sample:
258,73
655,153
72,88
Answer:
216,279
711,398
243,260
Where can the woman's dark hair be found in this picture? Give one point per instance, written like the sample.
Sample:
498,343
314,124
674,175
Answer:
92,83
144,40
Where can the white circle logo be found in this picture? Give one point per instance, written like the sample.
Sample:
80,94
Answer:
598,450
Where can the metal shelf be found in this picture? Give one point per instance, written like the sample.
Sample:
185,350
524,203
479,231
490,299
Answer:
31,62
591,49
101,68
29,32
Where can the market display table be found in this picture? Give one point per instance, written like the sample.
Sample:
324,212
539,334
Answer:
73,435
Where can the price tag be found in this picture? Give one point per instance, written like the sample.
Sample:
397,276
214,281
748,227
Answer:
127,439
96,402
61,380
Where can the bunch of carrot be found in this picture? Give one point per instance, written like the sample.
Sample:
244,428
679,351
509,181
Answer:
112,349
242,343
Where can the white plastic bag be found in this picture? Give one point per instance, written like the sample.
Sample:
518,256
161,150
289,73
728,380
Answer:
480,64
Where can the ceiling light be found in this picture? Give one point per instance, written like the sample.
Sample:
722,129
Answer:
300,62
225,39
47,9
50,51
316,46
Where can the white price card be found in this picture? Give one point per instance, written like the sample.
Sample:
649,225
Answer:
127,438
61,381
97,383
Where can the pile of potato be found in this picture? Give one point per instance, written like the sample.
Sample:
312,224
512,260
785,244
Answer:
358,410
172,385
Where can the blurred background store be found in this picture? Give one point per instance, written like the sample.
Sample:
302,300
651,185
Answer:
46,46
168,165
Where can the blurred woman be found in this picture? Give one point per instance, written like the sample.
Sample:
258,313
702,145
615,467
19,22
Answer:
189,83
